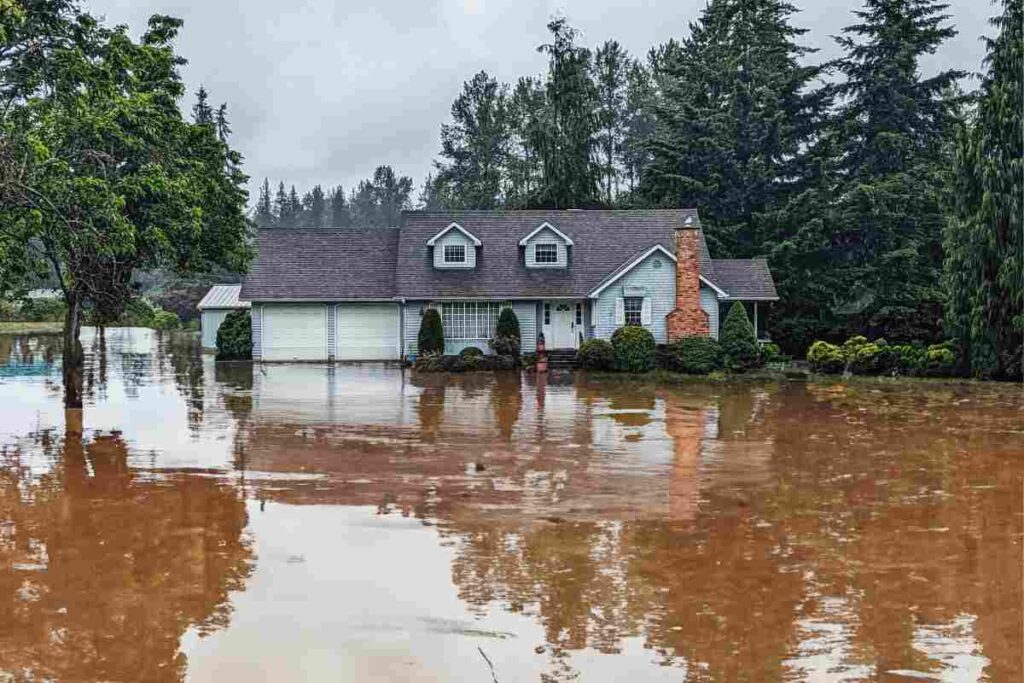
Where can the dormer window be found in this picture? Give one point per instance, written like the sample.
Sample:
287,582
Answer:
545,252
454,254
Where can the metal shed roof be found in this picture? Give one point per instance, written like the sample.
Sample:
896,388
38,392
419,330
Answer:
223,296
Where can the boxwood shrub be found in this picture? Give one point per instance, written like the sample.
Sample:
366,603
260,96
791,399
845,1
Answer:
738,341
234,337
825,357
634,349
693,356
431,335
596,354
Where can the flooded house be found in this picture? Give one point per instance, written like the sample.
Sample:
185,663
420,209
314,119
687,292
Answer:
572,275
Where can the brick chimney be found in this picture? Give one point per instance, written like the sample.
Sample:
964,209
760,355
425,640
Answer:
688,319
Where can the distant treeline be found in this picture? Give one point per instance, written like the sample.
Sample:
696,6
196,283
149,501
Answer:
887,201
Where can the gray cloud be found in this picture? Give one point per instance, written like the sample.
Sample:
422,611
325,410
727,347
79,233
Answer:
323,92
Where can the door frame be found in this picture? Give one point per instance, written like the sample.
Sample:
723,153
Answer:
550,312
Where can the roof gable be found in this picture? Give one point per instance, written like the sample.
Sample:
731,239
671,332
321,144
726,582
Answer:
546,226
454,226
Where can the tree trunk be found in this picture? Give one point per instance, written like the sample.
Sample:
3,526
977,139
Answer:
73,355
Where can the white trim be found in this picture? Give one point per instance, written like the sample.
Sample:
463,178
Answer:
568,240
454,226
630,266
718,290
444,255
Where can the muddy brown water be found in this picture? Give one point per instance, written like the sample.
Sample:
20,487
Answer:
211,522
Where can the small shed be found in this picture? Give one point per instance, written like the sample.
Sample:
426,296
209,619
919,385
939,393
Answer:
214,307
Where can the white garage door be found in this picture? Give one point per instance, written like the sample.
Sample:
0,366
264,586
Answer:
368,332
294,332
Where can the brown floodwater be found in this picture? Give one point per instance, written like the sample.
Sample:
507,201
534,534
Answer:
225,522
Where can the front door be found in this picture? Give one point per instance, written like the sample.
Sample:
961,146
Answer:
560,324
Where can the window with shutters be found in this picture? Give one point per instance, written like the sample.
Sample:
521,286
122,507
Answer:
633,307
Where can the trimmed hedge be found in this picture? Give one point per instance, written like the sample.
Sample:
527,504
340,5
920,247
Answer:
596,354
234,337
431,335
436,362
738,341
858,356
634,349
693,356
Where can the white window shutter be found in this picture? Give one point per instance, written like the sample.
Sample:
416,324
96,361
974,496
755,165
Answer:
620,311
645,311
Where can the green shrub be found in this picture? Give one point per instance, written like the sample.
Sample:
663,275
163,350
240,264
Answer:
596,354
739,344
694,356
234,338
634,349
770,353
941,359
505,346
863,357
471,351
508,325
825,357
165,320
39,310
907,359
431,336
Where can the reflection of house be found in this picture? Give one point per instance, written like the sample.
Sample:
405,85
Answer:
214,307
359,294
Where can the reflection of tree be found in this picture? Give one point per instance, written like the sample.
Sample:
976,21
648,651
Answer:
102,571
507,400
431,409
185,355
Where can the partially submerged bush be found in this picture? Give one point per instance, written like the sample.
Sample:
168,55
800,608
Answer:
863,357
941,359
166,320
471,351
693,356
634,349
738,341
471,362
825,357
596,354
431,335
505,346
770,353
234,337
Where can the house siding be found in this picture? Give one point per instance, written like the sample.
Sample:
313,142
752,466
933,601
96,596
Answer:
257,331
709,302
212,319
526,312
454,237
659,285
332,318
547,236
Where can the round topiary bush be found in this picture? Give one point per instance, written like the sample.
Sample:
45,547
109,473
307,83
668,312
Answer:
471,351
825,357
234,337
738,341
634,349
863,357
596,354
431,335
694,355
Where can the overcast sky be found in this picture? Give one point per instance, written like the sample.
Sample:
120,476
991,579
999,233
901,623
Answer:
323,91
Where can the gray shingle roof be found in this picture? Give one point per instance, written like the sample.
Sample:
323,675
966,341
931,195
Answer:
327,264
222,296
747,279
334,264
603,241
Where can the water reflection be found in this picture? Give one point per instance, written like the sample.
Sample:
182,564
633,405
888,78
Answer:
570,528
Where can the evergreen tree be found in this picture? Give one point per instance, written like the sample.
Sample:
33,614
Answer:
202,113
735,115
363,206
435,194
568,130
638,124
265,207
984,242
895,128
391,194
474,144
220,121
612,66
293,218
523,162
315,206
340,217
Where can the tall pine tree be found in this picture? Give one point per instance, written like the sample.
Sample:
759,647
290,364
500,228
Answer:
474,145
984,240
612,66
895,127
340,216
523,160
265,207
570,123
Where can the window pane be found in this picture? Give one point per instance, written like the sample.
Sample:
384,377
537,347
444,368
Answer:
455,253
545,253
633,306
